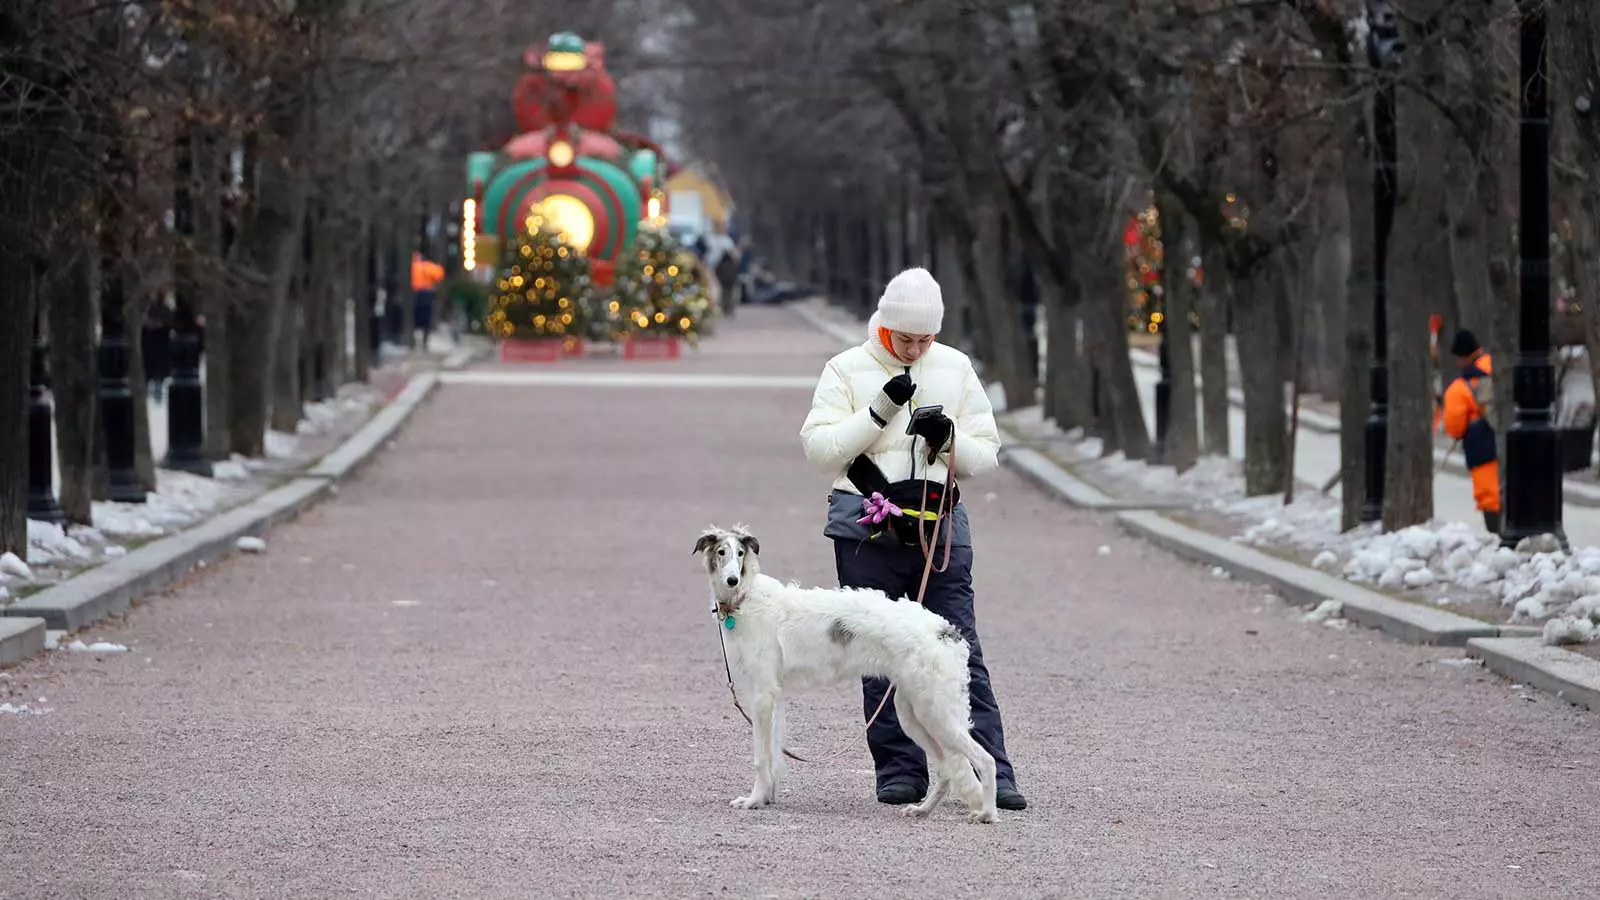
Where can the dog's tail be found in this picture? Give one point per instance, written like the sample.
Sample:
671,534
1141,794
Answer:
955,655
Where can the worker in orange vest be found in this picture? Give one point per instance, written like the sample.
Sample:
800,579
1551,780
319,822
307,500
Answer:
1468,402
425,277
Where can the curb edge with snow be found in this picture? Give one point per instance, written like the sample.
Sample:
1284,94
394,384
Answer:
113,587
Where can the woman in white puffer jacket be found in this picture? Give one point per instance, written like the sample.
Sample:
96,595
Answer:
857,432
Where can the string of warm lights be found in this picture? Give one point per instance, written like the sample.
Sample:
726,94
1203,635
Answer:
546,290
469,234
657,291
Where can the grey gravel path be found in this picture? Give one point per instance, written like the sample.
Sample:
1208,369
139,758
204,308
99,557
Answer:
487,670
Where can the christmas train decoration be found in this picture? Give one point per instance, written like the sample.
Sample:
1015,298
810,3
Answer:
565,223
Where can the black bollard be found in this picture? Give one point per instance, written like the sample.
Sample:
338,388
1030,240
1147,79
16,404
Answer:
186,402
42,503
116,399
1158,454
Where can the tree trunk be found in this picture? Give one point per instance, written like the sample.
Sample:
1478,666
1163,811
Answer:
27,197
269,244
211,300
1355,394
957,291
71,312
1260,310
1183,426
1575,58
1106,328
1214,405
286,390
1006,363
364,261
16,330
1420,280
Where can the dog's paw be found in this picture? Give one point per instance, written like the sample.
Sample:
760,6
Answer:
916,811
750,802
983,817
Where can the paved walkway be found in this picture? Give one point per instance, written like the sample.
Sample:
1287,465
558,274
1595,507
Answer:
487,670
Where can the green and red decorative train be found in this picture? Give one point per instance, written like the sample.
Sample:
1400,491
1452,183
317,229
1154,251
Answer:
588,190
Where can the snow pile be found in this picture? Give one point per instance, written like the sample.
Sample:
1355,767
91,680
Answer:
1449,562
179,500
96,647
326,416
13,567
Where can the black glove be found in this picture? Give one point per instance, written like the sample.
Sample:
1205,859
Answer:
896,391
936,429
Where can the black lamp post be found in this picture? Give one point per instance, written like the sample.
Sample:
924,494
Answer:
1158,453
116,399
42,503
185,396
1533,447
1384,47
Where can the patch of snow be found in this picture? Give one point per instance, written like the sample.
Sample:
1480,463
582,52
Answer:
20,710
79,646
11,564
1104,550
249,544
1568,630
1327,609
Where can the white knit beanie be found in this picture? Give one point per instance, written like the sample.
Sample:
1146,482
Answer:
911,303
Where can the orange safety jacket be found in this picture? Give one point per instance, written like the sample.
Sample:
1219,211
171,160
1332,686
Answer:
425,275
1466,405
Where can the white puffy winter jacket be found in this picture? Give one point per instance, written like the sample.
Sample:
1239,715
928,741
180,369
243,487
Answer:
840,427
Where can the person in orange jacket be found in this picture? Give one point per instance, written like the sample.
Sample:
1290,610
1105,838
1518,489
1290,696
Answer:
1467,402
425,277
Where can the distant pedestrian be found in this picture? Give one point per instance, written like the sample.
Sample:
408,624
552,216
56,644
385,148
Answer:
1468,404
425,277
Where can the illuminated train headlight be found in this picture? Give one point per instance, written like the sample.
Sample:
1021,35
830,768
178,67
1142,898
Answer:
570,216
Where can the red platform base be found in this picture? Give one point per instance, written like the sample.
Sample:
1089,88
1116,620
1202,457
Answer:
650,347
513,350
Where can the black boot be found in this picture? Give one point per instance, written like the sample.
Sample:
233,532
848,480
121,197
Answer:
901,792
1491,521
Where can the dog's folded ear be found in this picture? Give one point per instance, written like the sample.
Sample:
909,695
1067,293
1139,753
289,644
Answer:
750,543
706,542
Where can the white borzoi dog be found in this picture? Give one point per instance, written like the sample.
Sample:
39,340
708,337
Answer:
779,636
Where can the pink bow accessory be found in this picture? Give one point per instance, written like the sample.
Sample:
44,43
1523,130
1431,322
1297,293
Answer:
877,509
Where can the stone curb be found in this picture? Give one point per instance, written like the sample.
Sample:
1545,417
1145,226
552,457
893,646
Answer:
20,638
1307,587
1572,677
112,587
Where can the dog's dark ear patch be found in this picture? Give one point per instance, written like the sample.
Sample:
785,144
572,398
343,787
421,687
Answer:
839,632
750,543
948,632
706,542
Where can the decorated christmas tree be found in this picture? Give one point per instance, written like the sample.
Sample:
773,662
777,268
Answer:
657,291
544,288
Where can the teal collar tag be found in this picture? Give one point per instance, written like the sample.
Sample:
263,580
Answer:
727,622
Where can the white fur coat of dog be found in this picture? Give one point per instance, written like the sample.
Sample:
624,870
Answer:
781,636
